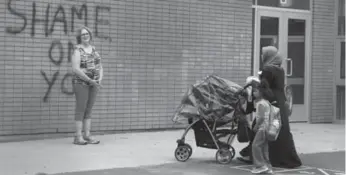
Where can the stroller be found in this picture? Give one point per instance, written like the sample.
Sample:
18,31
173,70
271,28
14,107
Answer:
213,108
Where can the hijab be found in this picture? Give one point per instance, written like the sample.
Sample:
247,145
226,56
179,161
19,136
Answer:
271,56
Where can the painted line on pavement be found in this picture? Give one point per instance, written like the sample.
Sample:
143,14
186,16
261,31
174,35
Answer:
322,170
334,171
239,166
337,171
298,169
244,167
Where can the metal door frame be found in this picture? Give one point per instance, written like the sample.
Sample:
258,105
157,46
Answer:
284,15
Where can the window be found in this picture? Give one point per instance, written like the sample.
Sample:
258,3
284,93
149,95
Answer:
341,18
342,60
291,4
340,43
340,102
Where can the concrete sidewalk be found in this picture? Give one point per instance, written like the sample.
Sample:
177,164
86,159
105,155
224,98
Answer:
139,149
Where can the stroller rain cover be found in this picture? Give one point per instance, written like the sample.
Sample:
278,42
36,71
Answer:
213,98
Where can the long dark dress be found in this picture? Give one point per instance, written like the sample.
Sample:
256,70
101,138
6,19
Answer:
282,152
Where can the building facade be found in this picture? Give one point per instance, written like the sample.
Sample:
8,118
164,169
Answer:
153,50
311,35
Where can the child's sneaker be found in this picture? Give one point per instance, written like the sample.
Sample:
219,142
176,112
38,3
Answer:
270,171
260,170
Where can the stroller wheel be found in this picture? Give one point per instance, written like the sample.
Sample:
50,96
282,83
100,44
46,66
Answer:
232,151
224,156
182,153
190,149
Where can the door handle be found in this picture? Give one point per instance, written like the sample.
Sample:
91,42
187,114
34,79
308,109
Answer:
290,61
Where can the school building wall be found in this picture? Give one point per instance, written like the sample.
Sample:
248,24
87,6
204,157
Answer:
151,51
323,59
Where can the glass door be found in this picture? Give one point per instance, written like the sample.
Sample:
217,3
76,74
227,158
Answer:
288,32
297,52
268,29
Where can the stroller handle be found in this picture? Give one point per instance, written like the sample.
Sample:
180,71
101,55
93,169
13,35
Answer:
240,92
246,86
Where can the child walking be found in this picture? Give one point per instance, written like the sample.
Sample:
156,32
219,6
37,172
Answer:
260,153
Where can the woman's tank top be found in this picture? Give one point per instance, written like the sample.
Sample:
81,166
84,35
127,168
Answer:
90,65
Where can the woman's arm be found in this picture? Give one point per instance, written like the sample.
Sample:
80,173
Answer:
98,65
76,66
249,108
267,77
266,74
101,73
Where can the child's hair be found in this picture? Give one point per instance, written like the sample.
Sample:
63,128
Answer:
263,88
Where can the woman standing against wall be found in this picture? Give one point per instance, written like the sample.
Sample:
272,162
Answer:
88,74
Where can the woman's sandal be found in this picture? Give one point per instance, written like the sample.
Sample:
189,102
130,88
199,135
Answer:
90,140
79,141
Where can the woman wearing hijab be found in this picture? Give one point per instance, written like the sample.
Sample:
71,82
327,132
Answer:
282,152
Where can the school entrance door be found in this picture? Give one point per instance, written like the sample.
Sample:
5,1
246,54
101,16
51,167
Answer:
290,33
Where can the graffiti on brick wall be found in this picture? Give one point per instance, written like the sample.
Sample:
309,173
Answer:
77,12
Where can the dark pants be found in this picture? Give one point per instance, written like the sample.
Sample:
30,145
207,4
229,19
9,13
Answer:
247,151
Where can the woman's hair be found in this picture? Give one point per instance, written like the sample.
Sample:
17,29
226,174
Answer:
264,89
79,34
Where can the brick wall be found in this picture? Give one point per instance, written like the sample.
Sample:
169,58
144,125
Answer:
152,51
322,82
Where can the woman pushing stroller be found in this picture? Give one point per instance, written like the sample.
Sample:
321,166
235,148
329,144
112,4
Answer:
282,151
